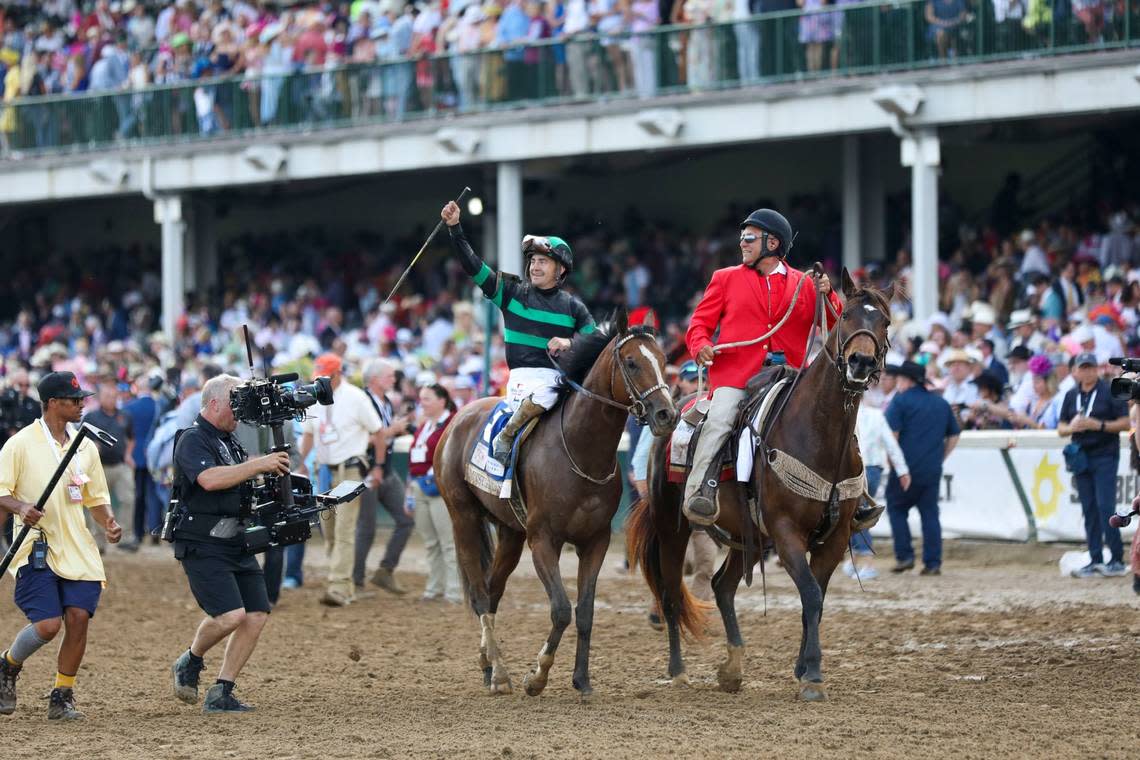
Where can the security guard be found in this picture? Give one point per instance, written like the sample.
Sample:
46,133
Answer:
228,584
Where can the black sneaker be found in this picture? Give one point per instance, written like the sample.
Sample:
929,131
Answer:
8,675
62,706
186,674
219,701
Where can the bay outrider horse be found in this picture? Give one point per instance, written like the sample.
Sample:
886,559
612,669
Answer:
571,484
814,429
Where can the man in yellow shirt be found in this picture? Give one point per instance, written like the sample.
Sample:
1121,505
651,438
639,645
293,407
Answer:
64,589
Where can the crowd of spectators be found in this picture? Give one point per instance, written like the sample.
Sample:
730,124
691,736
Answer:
288,64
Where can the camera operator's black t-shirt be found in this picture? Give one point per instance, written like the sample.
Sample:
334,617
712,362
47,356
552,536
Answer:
200,448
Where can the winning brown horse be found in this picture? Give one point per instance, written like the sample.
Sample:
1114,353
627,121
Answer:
571,484
815,427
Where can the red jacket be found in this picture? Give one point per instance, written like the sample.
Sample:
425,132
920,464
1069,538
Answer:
737,300
420,468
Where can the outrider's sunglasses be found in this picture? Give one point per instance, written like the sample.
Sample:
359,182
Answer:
748,237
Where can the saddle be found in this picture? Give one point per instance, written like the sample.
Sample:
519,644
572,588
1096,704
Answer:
486,474
762,393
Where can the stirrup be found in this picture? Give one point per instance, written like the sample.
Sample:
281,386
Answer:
702,508
866,516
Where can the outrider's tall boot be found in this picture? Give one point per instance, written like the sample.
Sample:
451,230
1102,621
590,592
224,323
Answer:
702,507
526,412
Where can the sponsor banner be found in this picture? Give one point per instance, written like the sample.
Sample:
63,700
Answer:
978,497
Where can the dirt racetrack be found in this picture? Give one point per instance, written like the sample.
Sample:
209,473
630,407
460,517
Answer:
999,657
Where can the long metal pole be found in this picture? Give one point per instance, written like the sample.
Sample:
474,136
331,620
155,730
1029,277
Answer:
85,431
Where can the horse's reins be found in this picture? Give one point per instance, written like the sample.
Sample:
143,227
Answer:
636,407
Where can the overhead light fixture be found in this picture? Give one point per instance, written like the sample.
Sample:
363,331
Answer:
661,122
462,141
475,205
902,101
265,157
109,172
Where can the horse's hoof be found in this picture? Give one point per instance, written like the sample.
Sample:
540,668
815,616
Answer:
681,681
501,689
533,685
729,683
812,691
586,694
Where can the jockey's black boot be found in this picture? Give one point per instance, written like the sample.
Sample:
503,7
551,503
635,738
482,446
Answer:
526,412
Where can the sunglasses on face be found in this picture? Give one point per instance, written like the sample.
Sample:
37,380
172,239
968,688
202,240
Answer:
748,237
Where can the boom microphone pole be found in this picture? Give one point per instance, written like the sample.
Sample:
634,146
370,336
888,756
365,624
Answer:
423,248
86,430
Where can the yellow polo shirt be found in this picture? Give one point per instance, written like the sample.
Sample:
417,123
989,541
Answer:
26,465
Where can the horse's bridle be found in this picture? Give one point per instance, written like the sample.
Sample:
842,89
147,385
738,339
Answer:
636,407
840,357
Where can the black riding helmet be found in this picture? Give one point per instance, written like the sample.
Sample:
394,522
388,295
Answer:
554,247
774,223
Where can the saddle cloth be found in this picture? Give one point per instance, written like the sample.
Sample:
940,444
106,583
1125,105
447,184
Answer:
485,473
754,416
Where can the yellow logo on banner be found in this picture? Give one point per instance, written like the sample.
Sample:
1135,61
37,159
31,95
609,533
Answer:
1047,486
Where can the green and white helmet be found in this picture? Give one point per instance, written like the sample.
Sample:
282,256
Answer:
554,247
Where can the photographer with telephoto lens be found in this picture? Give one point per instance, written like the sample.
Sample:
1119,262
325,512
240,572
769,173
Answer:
227,582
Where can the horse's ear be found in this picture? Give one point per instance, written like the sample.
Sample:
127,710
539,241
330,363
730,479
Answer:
621,320
650,319
847,284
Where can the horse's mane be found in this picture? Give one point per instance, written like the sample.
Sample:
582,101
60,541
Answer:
585,350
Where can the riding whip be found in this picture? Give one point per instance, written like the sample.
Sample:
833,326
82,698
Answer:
423,248
86,430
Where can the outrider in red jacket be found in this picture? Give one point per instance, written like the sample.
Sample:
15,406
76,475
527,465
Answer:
746,304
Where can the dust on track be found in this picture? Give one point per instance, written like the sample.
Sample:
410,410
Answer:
998,657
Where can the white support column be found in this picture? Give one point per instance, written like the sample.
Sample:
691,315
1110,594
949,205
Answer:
852,213
922,152
874,205
509,217
168,213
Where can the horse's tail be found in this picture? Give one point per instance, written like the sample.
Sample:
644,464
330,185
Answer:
643,546
486,557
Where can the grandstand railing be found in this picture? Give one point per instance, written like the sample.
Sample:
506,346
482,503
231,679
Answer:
855,38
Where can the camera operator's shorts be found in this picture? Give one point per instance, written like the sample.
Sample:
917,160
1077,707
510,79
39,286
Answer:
43,595
222,579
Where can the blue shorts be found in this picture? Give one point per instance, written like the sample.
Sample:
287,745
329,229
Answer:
43,595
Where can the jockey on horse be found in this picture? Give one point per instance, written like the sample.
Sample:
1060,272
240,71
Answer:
752,296
538,316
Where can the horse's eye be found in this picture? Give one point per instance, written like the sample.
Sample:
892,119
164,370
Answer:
847,315
631,364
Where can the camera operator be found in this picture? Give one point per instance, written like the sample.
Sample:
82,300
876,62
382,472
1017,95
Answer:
342,432
228,584
19,409
1095,421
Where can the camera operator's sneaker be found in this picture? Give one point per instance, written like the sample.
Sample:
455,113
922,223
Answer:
62,706
186,674
1114,570
218,700
8,675
1091,570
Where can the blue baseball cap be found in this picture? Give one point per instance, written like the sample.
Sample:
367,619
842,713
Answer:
689,370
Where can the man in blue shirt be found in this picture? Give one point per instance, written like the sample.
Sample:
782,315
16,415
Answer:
1095,420
927,431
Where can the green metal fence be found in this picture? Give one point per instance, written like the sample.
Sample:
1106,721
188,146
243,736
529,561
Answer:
837,40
